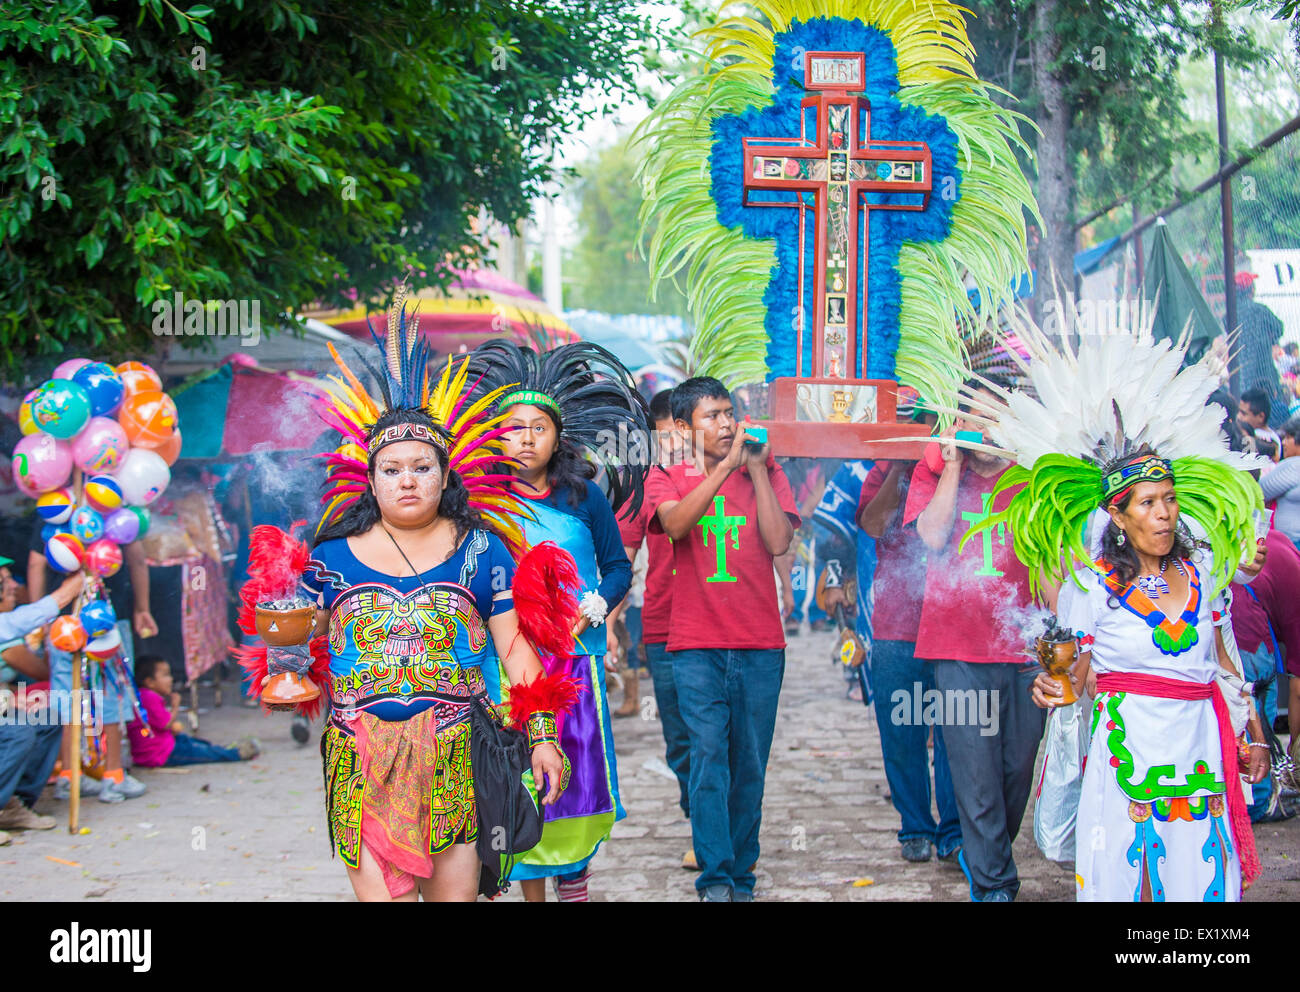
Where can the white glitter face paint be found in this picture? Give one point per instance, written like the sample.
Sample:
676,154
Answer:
407,480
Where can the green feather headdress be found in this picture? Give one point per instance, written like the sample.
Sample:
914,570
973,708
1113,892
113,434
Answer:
1114,395
725,273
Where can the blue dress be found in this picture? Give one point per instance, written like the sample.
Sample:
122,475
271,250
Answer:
586,812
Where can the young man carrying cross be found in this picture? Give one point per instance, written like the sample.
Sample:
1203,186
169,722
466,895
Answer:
729,511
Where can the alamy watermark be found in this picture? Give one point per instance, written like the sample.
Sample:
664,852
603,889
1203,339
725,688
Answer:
179,316
52,707
1095,317
921,707
75,945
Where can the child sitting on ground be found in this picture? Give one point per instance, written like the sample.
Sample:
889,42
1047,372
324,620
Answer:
165,745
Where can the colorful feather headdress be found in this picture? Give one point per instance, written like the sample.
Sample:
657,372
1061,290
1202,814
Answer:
601,413
1112,396
474,426
957,265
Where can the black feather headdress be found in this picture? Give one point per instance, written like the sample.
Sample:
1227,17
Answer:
601,413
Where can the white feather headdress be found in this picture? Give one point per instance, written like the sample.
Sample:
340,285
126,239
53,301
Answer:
1105,397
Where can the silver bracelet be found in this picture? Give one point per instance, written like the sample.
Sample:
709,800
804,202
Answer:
1255,744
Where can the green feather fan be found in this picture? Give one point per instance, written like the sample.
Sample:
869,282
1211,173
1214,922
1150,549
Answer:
724,274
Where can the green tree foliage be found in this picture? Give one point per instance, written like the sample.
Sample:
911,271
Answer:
1119,64
284,151
1260,99
608,273
1284,10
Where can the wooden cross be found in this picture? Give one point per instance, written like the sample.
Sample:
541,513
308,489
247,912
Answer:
838,172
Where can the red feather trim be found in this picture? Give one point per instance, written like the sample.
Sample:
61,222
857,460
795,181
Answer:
547,693
545,587
276,560
252,659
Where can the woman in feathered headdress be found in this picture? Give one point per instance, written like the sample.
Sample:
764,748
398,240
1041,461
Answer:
1116,425
570,411
412,575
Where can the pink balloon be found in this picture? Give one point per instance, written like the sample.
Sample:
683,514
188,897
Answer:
103,557
65,369
23,486
101,445
42,462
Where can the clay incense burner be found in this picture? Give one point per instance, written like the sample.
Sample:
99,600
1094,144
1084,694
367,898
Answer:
287,629
1057,652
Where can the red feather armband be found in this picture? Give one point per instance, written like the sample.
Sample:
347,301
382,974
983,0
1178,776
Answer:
535,705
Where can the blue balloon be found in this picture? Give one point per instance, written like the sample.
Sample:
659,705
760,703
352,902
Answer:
86,525
49,530
98,618
103,385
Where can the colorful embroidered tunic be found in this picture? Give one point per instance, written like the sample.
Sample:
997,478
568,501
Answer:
1153,803
407,656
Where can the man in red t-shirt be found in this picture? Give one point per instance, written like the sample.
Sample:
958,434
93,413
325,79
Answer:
729,512
976,602
1266,623
899,678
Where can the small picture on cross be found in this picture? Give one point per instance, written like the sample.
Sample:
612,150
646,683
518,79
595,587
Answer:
839,166
771,167
829,403
837,309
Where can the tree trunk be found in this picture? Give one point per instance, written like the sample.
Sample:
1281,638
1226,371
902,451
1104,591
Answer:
1055,253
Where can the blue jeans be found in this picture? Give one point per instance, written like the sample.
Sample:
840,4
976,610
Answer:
728,701
677,741
894,669
27,756
196,751
632,621
1258,666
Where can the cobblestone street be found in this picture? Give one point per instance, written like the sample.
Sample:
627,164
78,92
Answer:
256,831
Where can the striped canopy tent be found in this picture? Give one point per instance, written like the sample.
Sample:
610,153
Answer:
479,305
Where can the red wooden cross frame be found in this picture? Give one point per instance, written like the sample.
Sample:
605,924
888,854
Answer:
840,165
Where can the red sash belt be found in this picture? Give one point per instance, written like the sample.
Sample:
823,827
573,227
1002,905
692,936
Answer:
1163,688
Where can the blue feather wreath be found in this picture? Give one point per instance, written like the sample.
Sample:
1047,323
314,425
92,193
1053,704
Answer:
890,120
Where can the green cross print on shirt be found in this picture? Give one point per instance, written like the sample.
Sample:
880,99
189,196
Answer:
720,525
972,518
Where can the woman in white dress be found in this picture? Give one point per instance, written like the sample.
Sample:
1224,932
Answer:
1160,816
1119,421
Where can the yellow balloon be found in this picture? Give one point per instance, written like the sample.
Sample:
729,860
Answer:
26,422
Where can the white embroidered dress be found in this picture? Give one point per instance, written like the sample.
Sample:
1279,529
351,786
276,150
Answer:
1153,799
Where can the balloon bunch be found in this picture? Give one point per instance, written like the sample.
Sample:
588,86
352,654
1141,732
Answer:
110,432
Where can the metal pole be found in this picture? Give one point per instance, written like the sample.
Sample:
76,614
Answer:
1225,203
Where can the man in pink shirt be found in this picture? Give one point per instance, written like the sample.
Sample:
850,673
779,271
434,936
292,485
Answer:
968,629
1266,622
901,680
658,604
